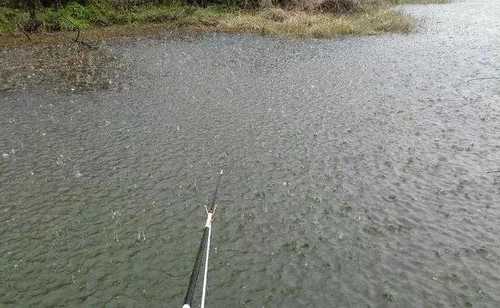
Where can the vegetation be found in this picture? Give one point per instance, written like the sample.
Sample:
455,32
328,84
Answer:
302,18
319,25
60,64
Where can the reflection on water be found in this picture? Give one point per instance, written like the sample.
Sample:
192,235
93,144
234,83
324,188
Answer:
360,172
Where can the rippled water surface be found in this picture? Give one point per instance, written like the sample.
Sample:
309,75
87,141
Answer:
360,172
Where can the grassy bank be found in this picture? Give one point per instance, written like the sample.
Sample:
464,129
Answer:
296,23
54,61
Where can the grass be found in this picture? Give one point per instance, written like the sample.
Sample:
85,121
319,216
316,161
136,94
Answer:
98,16
101,16
317,25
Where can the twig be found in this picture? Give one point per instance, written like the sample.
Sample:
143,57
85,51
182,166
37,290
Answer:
24,32
493,171
27,35
77,38
88,45
77,35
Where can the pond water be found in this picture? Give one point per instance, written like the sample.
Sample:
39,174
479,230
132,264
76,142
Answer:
359,172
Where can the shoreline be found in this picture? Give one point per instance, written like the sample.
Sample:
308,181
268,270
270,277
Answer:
272,21
57,58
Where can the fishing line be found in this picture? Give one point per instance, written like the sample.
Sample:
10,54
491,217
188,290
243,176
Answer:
203,250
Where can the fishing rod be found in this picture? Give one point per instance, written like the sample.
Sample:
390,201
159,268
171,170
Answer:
204,249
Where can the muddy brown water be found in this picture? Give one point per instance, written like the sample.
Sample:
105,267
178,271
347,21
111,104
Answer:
360,172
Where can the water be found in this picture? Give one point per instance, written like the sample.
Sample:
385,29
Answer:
359,172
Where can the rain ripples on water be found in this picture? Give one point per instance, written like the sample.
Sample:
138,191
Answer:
360,172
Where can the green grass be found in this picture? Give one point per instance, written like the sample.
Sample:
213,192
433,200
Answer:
100,13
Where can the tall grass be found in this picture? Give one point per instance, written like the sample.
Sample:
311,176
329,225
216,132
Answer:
318,25
331,18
